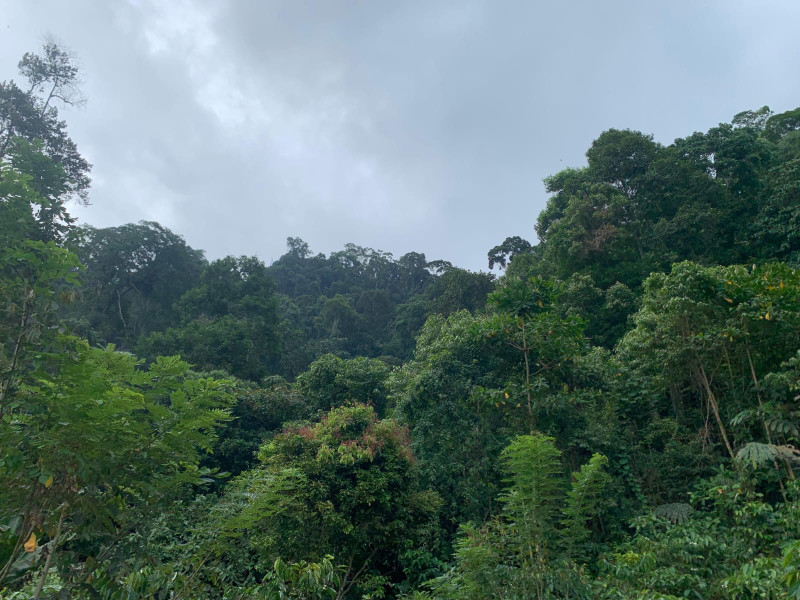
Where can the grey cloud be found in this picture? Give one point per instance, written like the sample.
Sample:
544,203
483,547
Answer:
405,126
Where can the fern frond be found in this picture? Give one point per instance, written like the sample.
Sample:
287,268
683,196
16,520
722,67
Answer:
677,512
584,500
759,454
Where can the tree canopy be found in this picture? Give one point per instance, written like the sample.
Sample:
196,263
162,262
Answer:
615,416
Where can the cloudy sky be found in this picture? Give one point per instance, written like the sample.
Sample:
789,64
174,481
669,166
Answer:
403,126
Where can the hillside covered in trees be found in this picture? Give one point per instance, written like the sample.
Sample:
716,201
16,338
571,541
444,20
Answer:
616,415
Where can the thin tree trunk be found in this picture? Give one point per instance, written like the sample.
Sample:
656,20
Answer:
786,462
5,385
49,97
712,400
119,307
50,554
526,353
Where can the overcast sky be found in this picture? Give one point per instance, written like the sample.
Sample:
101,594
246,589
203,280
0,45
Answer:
402,126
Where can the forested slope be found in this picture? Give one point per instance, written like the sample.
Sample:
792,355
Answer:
616,416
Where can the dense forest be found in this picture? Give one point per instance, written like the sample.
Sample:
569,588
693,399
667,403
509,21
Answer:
615,416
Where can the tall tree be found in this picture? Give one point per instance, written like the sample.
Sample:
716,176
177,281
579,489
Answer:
34,140
502,254
134,276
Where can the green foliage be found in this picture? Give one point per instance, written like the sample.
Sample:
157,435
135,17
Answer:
446,477
230,321
456,433
532,464
331,382
59,426
306,581
725,197
502,254
526,321
728,548
776,227
361,301
524,553
18,202
30,273
35,142
258,414
350,488
337,319
457,289
675,512
147,290
134,275
583,504
698,321
791,565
